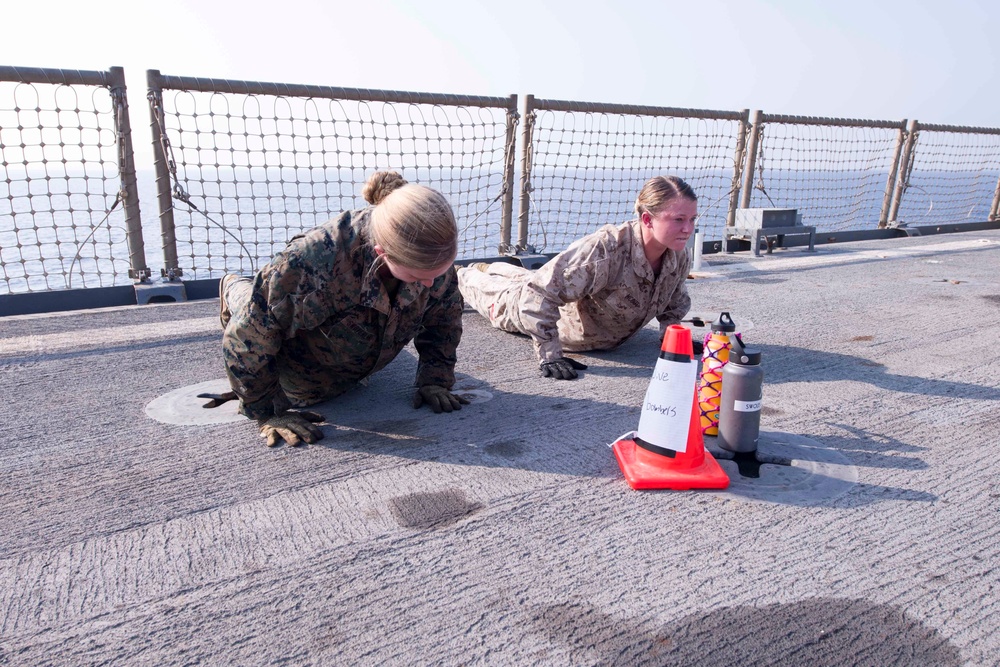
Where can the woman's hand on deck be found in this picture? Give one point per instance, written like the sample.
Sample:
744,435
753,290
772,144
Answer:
562,368
438,399
292,427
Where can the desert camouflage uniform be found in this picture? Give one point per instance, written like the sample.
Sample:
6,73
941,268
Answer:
318,319
592,296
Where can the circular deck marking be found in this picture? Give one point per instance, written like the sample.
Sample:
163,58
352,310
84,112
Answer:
473,395
794,470
469,388
182,406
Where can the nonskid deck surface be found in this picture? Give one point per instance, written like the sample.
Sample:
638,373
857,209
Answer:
505,533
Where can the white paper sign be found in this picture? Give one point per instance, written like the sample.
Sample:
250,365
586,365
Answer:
666,410
747,406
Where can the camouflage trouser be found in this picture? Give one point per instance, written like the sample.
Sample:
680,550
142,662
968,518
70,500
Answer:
303,382
234,294
495,293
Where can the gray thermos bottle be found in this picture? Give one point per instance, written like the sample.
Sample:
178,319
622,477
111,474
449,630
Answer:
742,391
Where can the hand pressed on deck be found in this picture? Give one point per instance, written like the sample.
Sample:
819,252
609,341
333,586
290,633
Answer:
438,399
292,427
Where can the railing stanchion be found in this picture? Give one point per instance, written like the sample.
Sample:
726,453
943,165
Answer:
138,270
506,220
883,217
748,172
525,202
738,160
903,177
171,269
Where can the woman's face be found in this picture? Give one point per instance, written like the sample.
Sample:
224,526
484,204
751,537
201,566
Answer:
673,225
425,277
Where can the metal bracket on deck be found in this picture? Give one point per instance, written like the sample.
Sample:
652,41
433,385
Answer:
140,274
758,234
771,225
531,261
909,231
163,292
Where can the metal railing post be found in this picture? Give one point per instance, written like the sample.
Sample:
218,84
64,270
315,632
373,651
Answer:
506,217
755,127
738,158
883,216
526,148
171,270
905,166
138,270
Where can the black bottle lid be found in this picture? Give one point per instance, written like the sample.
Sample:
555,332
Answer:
724,324
748,356
743,356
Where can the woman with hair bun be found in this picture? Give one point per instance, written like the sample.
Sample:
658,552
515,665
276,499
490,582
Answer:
602,289
339,303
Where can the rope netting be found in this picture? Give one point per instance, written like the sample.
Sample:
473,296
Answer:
952,178
835,176
587,169
246,171
251,171
61,222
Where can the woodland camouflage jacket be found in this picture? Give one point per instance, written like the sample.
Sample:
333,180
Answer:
319,319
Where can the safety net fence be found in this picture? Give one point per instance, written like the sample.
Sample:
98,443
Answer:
244,166
238,168
583,165
837,173
951,175
66,181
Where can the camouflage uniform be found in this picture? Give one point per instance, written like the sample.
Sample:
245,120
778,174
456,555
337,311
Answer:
318,319
592,296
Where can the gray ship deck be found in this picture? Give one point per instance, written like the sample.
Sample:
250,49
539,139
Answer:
505,533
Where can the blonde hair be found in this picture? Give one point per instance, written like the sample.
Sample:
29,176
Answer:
413,224
659,191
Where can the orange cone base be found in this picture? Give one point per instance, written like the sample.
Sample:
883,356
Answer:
645,470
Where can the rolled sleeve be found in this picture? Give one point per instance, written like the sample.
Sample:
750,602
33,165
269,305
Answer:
578,271
437,339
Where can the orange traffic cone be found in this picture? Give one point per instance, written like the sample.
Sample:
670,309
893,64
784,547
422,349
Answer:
668,450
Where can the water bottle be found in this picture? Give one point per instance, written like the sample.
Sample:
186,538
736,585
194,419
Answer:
742,393
713,360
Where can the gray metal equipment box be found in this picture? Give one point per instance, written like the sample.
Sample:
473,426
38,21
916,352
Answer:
760,218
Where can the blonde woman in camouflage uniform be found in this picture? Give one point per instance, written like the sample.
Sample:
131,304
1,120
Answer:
600,290
339,303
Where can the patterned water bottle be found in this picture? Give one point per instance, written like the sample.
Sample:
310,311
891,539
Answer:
713,359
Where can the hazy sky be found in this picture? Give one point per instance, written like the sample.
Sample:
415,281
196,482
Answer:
875,59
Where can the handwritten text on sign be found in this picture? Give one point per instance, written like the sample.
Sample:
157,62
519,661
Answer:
666,411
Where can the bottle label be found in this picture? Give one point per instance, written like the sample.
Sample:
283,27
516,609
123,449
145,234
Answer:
747,406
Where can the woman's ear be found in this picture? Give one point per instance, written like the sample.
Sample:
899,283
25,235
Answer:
647,219
379,250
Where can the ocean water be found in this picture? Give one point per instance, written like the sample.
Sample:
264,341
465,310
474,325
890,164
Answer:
56,233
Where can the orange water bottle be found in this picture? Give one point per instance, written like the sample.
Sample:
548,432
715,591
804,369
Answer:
713,359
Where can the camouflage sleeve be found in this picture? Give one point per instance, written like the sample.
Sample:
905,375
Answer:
583,268
680,301
439,334
253,338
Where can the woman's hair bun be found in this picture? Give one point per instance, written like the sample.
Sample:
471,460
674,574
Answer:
380,185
